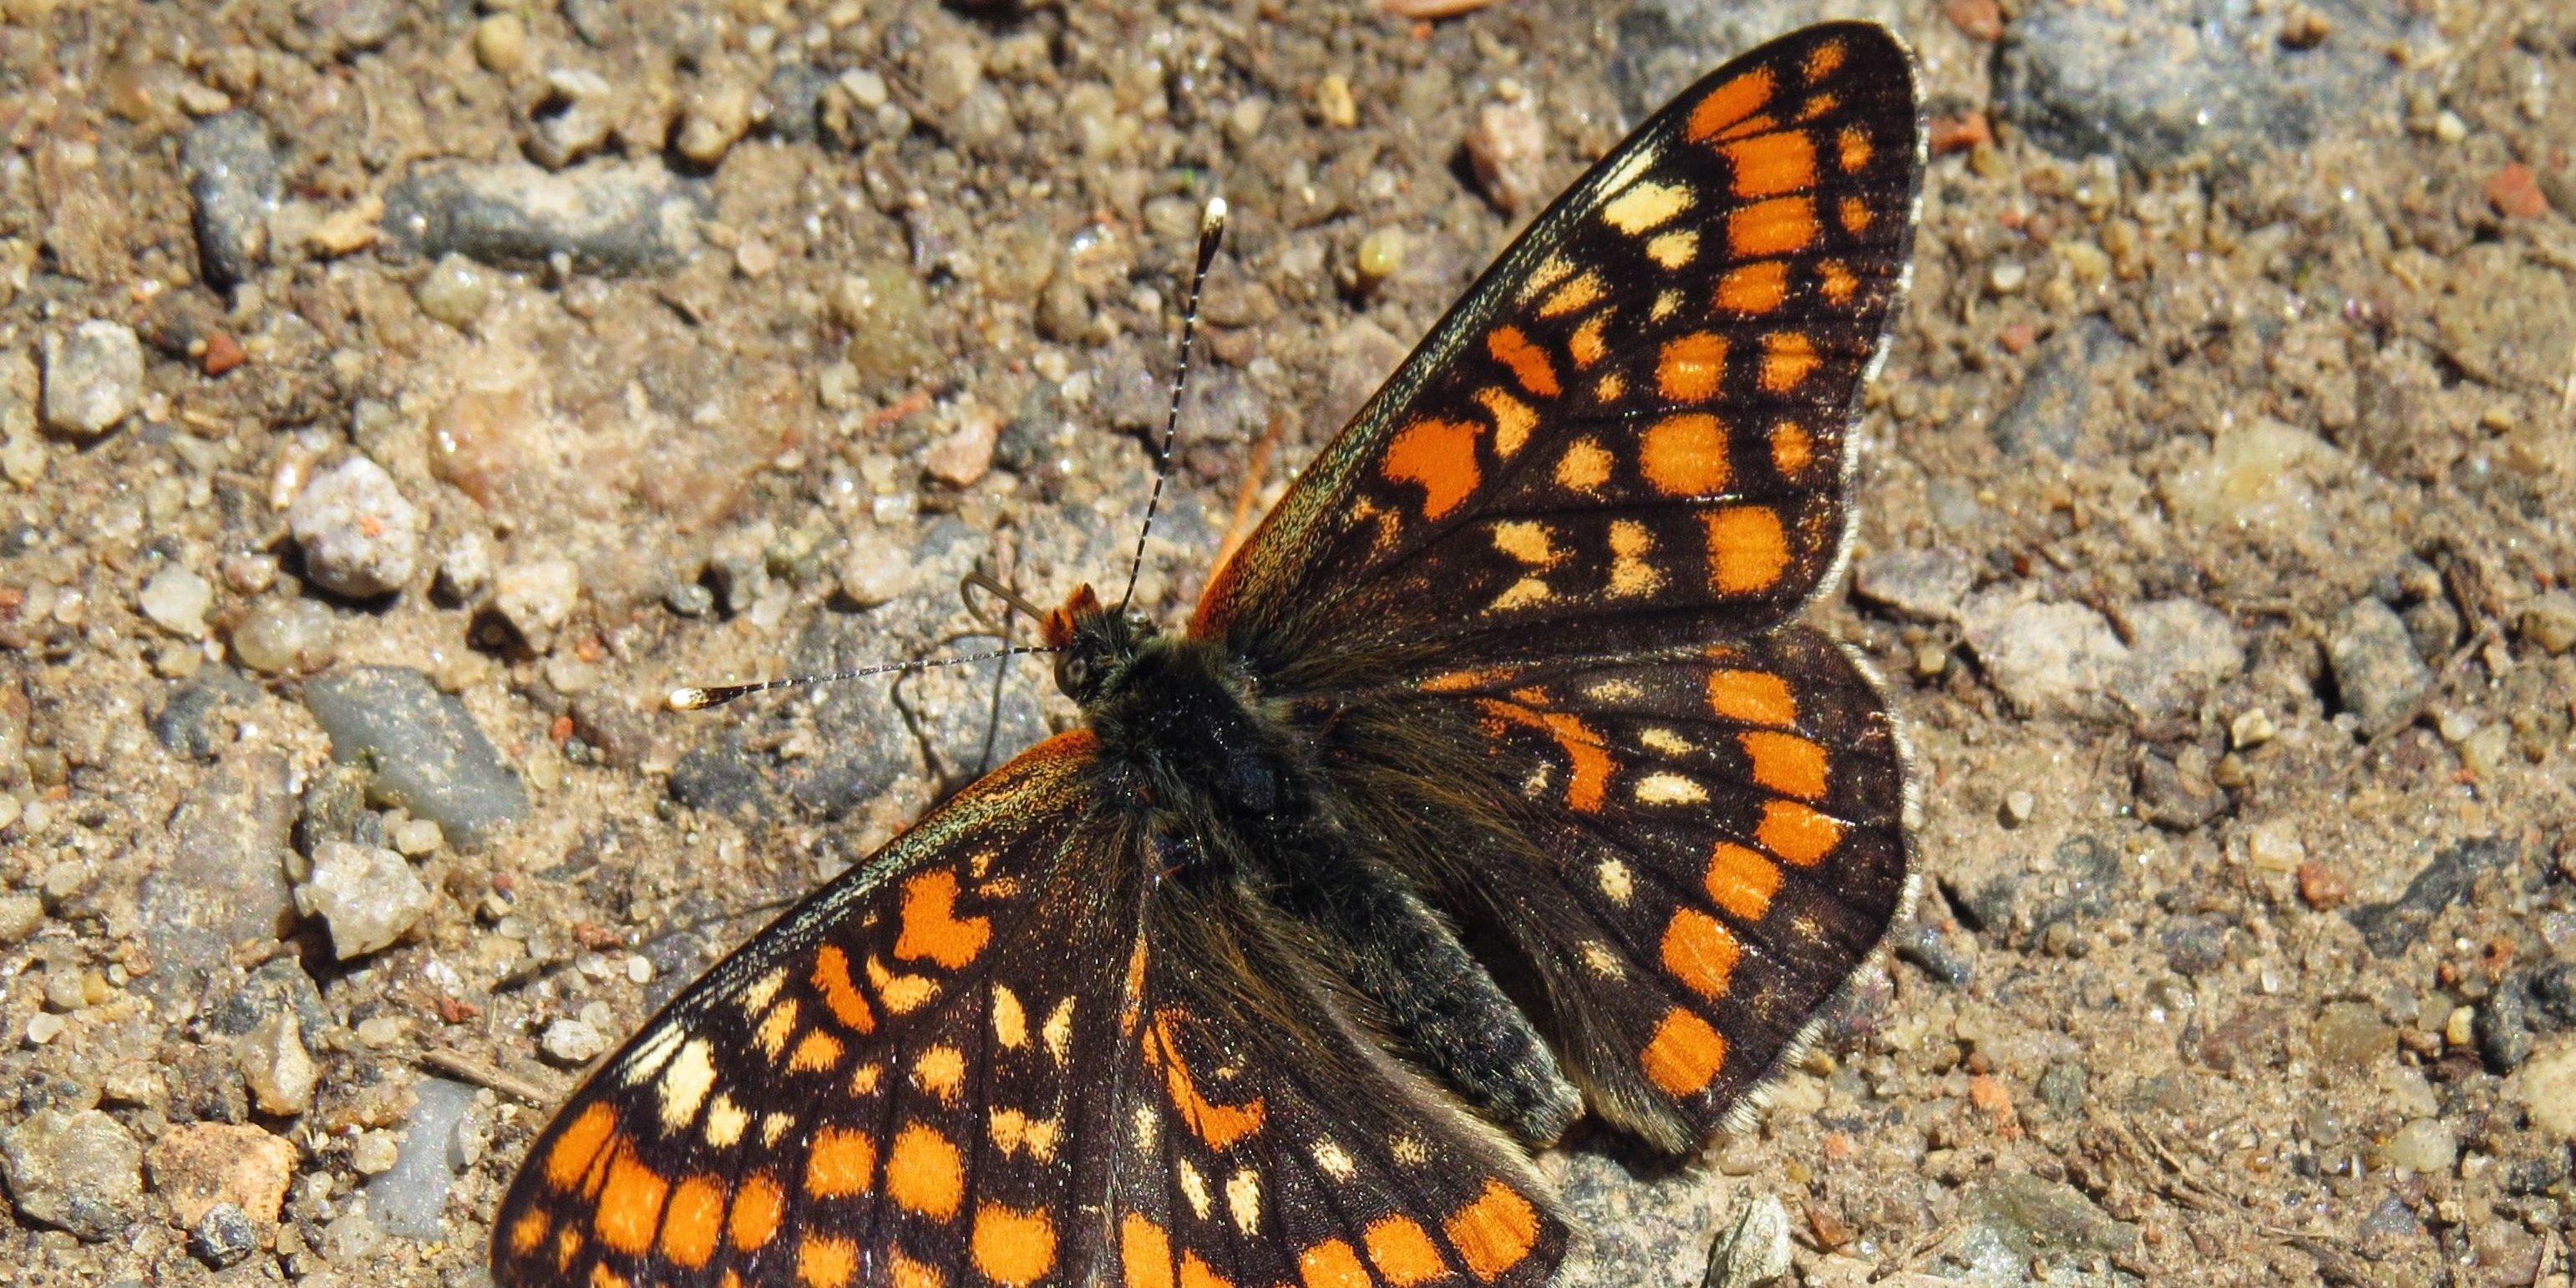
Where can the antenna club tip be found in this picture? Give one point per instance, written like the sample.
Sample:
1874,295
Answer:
688,699
1215,216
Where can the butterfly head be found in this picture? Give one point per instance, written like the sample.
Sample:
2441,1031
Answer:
1094,644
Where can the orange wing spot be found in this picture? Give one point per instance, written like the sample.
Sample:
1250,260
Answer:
1767,165
1747,549
695,1221
824,1262
1741,881
924,1173
1581,293
1403,1252
839,1163
1332,1264
902,994
1589,342
1730,103
1754,288
1797,833
1700,953
1818,105
603,1277
1751,697
630,1205
1585,466
1612,388
1198,1274
1528,362
1685,455
1836,281
1513,420
1824,60
1011,1246
908,1273
528,1233
1441,456
1589,779
577,1150
1689,368
1792,451
1851,149
1856,215
817,1052
941,1071
840,993
1494,1233
1780,226
1463,681
1685,1054
1217,1125
567,1247
931,926
1748,127
1144,1252
1787,358
757,1210
1786,763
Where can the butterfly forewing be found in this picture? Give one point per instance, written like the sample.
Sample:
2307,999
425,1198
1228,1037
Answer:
1637,419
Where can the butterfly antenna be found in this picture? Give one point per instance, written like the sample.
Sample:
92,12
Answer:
699,698
1211,231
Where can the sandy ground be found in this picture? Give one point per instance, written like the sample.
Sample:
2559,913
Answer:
2215,530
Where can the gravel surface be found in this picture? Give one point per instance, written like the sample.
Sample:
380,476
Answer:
397,398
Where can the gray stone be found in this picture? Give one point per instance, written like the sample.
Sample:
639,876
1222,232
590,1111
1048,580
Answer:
369,896
350,1238
93,377
278,985
2549,620
78,1171
216,877
2503,1028
223,1236
2176,792
335,798
1664,45
2045,657
1753,1251
795,93
2057,396
537,598
2377,674
359,534
2178,649
410,1198
571,1042
2062,1088
717,777
191,723
2010,1219
425,751
1926,585
606,217
2015,897
2391,928
2156,82
232,175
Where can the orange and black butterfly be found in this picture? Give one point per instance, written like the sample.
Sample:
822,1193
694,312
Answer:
1492,780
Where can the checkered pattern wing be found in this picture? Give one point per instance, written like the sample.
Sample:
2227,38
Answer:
1692,851
1632,431
899,1082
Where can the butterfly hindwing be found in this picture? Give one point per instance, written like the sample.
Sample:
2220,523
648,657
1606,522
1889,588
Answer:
896,1081
1637,418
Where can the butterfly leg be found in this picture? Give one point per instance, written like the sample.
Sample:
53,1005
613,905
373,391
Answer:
1440,1001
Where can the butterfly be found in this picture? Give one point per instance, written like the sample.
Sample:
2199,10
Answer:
1492,780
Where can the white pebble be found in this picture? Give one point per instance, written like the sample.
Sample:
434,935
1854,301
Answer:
176,600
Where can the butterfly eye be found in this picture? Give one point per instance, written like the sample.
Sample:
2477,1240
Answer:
1073,673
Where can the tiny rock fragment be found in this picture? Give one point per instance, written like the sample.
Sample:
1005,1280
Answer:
359,534
368,896
1508,149
2322,886
1976,19
176,600
1333,102
537,598
275,1064
93,377
966,454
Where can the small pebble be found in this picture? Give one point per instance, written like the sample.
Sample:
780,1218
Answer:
380,1031
2018,807
44,1027
275,1064
21,914
223,1236
966,454
2322,886
639,970
501,43
367,895
2007,276
1507,148
2275,846
375,1152
1333,102
1931,661
248,574
93,378
2460,1028
2449,128
2424,1146
537,598
2252,728
284,635
2550,621
176,600
718,116
2456,726
1381,253
359,534
63,879
416,837
875,568
571,1042
455,291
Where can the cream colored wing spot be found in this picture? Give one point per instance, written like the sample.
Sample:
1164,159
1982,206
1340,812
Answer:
1521,594
1674,250
1584,467
685,1083
1600,960
1664,788
1333,1162
1243,1200
1631,576
1581,293
1615,689
1194,1188
648,1058
1058,1032
1528,541
1146,1127
771,1037
762,992
1513,420
1667,303
1646,206
1010,1023
1618,885
1666,741
1554,269
774,1127
725,1122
